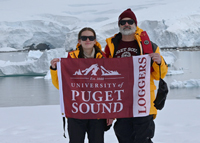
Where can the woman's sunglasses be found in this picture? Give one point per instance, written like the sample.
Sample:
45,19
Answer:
84,38
123,22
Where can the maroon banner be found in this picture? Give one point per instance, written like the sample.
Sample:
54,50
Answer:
97,88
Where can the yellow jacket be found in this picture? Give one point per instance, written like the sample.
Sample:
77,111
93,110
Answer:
155,75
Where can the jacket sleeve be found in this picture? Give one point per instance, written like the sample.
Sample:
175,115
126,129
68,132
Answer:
156,70
54,78
107,51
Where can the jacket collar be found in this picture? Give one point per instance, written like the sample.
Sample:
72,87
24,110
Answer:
75,53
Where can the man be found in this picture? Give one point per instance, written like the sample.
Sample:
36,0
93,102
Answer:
128,42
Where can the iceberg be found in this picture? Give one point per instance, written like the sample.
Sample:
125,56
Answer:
185,84
59,25
37,63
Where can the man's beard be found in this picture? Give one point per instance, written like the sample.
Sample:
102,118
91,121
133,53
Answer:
127,30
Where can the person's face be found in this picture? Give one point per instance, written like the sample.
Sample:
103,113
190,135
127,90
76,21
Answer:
127,26
87,40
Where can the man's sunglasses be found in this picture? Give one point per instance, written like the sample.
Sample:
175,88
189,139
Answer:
84,38
123,22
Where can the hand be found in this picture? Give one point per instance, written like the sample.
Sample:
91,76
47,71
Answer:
54,62
156,57
109,121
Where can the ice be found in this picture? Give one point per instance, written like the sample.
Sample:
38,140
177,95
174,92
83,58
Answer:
173,72
169,23
43,124
169,57
48,75
185,84
22,26
37,63
7,49
34,55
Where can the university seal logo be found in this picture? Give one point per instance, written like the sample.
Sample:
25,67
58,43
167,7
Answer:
93,70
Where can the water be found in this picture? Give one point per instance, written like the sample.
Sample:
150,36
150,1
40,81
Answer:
27,91
31,91
189,62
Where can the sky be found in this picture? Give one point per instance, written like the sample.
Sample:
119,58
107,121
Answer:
23,22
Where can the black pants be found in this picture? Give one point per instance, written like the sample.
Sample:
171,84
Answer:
135,130
77,128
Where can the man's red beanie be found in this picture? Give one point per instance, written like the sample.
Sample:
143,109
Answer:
129,14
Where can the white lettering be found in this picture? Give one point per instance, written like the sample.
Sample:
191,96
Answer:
83,96
92,108
76,109
108,95
115,107
119,94
94,97
96,108
74,94
107,108
81,108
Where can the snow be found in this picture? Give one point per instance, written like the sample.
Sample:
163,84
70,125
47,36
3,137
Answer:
173,72
34,55
177,122
23,23
48,75
26,23
7,49
169,23
185,84
169,57
37,63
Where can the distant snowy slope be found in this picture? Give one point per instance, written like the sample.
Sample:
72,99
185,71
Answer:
184,32
51,30
23,23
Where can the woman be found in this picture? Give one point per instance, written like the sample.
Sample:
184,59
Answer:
87,47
